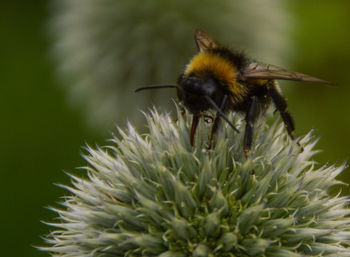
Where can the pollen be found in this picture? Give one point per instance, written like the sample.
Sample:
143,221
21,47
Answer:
206,64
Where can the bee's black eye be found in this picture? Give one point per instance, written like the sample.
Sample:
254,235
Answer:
201,87
191,84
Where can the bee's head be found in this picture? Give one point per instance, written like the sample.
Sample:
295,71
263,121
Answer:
194,90
198,94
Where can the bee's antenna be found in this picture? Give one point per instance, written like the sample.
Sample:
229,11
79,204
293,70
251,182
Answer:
220,112
156,87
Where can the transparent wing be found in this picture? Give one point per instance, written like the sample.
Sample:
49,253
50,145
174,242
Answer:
257,70
203,41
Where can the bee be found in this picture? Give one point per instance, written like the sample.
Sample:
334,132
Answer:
224,80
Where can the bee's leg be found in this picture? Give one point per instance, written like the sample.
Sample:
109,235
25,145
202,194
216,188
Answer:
250,119
215,126
195,121
281,106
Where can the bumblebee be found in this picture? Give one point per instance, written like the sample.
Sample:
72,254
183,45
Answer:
225,80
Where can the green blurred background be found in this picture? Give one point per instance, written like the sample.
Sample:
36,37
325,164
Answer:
42,135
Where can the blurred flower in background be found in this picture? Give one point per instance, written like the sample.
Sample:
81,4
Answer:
105,49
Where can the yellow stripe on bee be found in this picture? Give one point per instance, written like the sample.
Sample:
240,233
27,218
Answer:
210,64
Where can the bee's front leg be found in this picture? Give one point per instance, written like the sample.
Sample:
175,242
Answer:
250,119
195,121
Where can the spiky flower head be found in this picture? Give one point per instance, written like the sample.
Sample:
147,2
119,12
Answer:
105,49
155,195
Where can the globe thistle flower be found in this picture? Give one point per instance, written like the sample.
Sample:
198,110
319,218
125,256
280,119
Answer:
105,49
155,195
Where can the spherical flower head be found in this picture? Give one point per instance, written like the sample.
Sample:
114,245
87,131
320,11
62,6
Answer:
156,195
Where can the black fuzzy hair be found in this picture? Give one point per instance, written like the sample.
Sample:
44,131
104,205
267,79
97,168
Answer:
238,58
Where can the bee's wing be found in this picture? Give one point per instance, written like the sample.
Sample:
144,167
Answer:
203,41
257,70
